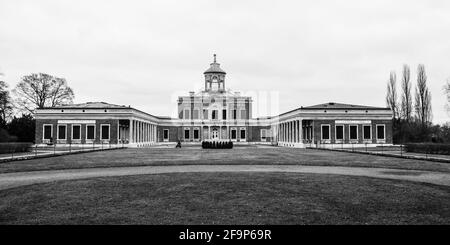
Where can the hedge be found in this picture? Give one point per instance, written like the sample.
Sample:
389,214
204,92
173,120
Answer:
217,144
429,148
14,147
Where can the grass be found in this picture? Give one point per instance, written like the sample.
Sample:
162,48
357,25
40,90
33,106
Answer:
227,198
238,155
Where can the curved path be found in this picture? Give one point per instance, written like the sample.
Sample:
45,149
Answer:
10,180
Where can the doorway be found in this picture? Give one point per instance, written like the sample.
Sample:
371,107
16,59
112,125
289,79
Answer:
215,134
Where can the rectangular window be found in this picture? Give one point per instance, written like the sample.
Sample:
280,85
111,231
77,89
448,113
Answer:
263,134
90,132
186,114
243,114
339,132
76,132
166,134
205,114
61,132
353,132
186,133
380,132
104,132
214,115
366,132
325,132
242,133
233,134
195,114
48,132
234,114
196,134
224,114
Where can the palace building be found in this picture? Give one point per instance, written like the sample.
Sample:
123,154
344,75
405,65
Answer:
215,113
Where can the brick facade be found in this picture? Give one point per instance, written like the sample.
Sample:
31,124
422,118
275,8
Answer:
113,129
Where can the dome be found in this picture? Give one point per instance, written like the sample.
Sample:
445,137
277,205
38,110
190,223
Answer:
215,68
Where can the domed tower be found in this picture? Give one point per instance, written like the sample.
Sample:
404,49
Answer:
215,78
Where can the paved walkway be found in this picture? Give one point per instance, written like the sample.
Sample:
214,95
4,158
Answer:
10,180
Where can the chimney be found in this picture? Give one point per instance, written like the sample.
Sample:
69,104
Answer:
192,93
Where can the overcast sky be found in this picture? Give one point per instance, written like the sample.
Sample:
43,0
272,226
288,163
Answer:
145,53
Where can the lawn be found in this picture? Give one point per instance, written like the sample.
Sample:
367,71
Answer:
238,155
227,198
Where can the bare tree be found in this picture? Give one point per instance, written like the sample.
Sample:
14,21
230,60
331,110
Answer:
391,95
5,103
406,99
447,92
40,90
423,97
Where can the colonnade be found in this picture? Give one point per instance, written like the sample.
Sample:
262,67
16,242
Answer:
142,132
289,132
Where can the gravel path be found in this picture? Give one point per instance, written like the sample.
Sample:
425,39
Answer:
10,180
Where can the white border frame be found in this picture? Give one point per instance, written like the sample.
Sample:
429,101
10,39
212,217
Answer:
240,130
87,132
71,132
335,133
57,131
168,134
109,131
231,134
260,134
321,132
384,132
184,133
43,132
193,134
217,114
349,133
226,114
367,125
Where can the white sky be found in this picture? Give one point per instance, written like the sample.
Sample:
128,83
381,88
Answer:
145,53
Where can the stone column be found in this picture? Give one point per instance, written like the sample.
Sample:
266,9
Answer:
146,132
296,131
300,136
278,132
137,132
289,132
152,139
292,131
140,131
281,132
130,137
